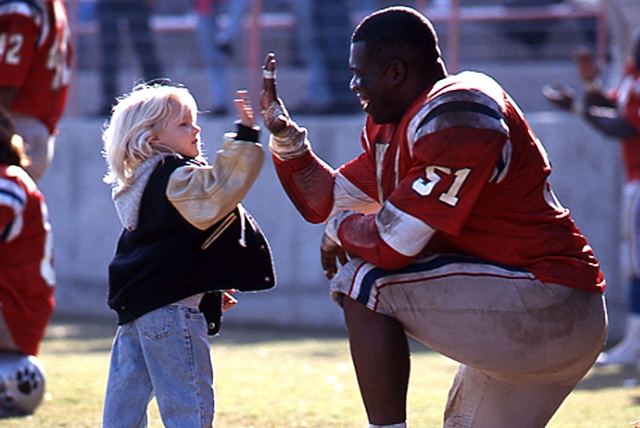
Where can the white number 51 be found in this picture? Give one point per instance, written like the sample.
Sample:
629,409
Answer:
434,175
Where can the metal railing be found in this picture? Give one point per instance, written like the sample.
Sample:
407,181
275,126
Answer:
454,18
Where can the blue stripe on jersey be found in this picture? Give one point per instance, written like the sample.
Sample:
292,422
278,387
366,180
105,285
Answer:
460,106
12,196
431,263
5,233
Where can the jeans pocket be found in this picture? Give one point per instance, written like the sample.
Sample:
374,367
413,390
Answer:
157,325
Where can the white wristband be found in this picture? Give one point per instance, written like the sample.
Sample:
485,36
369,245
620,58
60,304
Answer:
268,74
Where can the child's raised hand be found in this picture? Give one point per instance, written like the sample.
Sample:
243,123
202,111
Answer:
244,109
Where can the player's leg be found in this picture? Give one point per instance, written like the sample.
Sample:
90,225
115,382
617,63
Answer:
479,401
6,339
380,354
498,320
526,344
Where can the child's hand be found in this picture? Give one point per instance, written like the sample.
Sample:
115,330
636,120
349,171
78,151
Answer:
228,301
243,108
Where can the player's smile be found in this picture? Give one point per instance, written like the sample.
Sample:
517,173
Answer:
370,84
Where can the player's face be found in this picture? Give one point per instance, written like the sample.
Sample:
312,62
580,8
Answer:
180,134
371,83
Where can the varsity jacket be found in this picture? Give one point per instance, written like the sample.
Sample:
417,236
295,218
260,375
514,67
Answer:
177,215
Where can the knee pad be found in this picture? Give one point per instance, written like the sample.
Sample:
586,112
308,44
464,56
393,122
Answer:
22,383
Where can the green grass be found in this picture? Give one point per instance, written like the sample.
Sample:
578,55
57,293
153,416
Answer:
269,379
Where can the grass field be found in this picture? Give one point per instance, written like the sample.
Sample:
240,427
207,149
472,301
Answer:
280,379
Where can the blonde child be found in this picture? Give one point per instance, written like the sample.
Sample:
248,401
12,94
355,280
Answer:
168,200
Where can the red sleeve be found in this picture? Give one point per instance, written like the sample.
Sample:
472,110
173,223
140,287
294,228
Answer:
17,46
6,216
359,237
309,184
361,171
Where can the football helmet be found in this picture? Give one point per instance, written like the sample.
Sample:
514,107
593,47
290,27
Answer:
22,383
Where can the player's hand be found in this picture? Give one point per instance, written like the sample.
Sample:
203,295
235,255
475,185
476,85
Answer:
274,114
244,109
559,94
269,93
587,68
330,255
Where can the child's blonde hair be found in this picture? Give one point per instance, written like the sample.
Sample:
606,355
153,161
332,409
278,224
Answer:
135,119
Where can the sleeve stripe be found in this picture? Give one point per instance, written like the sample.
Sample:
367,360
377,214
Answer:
14,197
461,106
404,233
462,113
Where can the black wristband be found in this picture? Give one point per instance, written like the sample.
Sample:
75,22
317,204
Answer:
246,133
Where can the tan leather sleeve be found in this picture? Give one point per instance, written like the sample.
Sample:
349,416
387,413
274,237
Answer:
204,195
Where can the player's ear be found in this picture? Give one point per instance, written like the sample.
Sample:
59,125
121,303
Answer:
398,70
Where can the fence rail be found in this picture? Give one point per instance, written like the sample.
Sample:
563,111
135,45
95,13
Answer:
454,17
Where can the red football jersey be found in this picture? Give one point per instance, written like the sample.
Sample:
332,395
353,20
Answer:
628,99
462,161
27,276
35,56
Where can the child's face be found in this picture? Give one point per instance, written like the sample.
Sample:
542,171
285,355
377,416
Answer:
181,134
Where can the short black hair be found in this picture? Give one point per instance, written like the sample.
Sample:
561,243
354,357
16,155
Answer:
398,28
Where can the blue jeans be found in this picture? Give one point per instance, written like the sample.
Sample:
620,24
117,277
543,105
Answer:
164,353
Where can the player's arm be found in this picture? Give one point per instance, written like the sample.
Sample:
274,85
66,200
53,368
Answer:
610,122
307,180
433,197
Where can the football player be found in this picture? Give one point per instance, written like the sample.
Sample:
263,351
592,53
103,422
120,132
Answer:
616,114
448,232
27,277
35,69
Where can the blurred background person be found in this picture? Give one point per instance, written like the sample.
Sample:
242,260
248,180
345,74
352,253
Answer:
324,27
35,65
219,22
616,114
136,14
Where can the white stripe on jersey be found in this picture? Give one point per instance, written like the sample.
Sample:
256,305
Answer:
470,109
404,233
346,196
